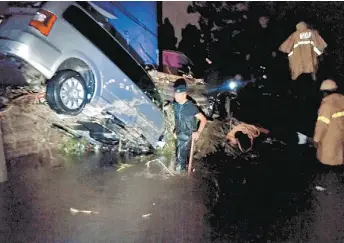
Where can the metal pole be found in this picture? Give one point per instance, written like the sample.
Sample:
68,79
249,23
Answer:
3,168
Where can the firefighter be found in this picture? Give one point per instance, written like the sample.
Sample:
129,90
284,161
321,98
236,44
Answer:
243,135
303,48
329,128
186,116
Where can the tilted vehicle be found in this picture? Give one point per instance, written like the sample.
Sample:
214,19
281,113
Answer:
88,72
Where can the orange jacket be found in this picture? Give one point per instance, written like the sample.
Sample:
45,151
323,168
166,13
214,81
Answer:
329,130
303,47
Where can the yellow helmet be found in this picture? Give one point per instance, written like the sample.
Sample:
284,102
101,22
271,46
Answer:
328,84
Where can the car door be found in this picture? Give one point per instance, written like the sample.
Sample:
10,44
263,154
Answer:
132,102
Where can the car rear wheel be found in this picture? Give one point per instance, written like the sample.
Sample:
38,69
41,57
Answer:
67,92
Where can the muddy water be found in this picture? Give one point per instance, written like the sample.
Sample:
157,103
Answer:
128,204
282,197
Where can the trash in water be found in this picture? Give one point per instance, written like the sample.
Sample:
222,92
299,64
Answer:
161,144
159,161
321,189
302,138
146,215
76,211
123,166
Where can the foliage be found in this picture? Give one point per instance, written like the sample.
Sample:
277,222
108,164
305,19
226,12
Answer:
73,146
169,149
219,23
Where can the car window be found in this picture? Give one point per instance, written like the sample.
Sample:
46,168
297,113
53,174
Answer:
113,50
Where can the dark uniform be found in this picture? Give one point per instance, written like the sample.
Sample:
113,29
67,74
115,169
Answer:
186,124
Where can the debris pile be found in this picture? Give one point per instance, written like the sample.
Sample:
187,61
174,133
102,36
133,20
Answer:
169,149
27,126
213,139
165,78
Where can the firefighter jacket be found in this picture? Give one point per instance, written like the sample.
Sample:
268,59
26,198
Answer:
329,130
303,48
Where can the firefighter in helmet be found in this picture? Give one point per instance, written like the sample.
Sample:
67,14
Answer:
329,128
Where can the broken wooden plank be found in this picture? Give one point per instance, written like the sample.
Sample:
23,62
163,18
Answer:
3,167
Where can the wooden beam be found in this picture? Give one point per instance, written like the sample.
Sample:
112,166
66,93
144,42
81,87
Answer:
3,167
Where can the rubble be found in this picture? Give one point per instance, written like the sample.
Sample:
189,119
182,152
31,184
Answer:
165,78
27,127
169,149
213,139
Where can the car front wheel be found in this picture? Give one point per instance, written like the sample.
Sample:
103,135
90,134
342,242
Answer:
67,93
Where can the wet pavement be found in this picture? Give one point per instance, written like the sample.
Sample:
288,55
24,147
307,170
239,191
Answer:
283,197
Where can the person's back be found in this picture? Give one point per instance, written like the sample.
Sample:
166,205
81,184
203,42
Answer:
332,142
329,129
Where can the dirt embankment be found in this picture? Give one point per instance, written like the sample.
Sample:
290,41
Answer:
26,123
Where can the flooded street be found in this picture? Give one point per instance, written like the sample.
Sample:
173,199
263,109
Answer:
135,204
281,195
79,75
225,201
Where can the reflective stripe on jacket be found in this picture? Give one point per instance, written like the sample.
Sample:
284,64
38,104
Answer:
329,130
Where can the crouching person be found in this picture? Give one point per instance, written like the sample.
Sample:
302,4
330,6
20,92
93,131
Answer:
187,116
243,136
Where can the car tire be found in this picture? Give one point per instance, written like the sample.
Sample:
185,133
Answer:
67,93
